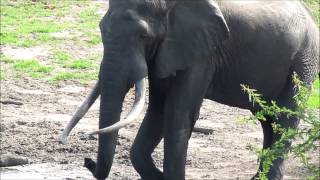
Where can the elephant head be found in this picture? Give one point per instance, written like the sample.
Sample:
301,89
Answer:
154,38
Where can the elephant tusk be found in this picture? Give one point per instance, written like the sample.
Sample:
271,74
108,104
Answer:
140,96
81,111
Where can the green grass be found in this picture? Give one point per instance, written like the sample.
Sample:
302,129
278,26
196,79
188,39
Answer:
89,24
89,19
6,60
60,56
314,100
32,67
80,64
3,74
95,39
27,24
314,8
23,24
73,75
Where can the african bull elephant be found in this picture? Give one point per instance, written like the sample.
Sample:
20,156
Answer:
191,50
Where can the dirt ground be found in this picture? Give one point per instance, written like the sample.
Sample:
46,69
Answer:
30,127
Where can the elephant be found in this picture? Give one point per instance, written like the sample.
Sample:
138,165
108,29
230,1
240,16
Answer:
190,51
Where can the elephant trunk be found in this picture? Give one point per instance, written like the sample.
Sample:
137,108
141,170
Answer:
113,87
114,81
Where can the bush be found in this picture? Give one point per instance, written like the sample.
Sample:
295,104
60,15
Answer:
307,137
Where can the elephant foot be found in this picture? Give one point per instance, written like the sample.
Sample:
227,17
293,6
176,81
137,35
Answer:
90,164
255,177
270,176
160,177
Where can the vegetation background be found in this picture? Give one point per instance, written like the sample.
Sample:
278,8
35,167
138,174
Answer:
59,33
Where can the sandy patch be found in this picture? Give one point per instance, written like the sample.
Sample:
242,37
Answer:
24,53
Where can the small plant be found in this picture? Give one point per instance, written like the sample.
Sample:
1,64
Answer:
307,136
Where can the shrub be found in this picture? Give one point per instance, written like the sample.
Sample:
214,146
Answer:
307,137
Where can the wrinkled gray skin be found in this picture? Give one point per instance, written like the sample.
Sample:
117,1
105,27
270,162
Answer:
191,50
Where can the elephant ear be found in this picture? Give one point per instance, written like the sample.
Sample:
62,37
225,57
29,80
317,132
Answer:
194,29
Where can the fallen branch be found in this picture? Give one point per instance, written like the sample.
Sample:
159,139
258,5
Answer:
203,130
12,160
11,102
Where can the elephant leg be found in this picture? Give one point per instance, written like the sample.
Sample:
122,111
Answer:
181,111
271,136
101,168
267,139
149,134
267,133
148,137
276,170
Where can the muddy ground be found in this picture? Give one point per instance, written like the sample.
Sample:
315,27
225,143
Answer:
31,129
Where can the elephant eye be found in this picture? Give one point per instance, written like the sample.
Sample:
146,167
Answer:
140,26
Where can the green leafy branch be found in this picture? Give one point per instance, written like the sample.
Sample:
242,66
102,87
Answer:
307,136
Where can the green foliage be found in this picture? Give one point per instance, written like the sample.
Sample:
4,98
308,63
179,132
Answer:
314,100
314,6
307,137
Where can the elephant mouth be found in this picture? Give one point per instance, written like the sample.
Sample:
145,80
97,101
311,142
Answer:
137,108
